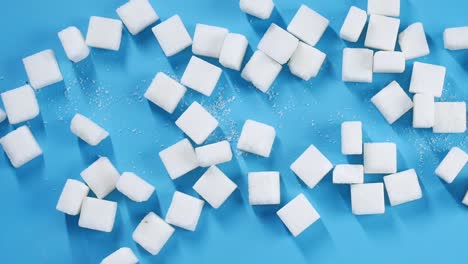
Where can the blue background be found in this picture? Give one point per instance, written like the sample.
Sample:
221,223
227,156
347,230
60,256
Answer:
109,87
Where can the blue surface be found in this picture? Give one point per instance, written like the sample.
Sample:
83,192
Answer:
109,86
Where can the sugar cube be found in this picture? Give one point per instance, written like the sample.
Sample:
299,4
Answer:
308,25
42,69
278,44
351,138
20,104
423,111
450,117
20,146
184,211
298,214
264,188
214,154
172,35
413,42
137,15
403,187
97,214
367,198
87,130
353,24
201,76
456,38
306,61
165,92
179,159
384,7
72,197
152,233
348,174
392,102
357,65
214,186
427,79
104,33
3,115
380,158
257,138
311,166
208,40
389,62
258,8
452,164
465,199
261,70
197,123
382,32
134,187
123,255
74,44
101,177
233,51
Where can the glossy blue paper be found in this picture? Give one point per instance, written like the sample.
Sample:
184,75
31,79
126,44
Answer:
109,87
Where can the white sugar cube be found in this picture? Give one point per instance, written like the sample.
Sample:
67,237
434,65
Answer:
258,8
382,32
367,198
450,117
20,146
261,70
423,111
413,42
214,154
121,256
264,188
348,174
104,33
384,7
298,214
311,166
74,44
201,76
278,44
257,138
353,24
20,104
152,233
452,164
197,123
351,138
97,214
3,115
172,35
42,69
465,199
306,61
184,211
101,177
233,51
357,65
214,186
427,79
392,102
208,40
389,62
456,38
134,187
179,159
72,197
165,92
403,187
380,158
308,25
137,15
87,130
